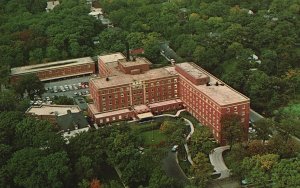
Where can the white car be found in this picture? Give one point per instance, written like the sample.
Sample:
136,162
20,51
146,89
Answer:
174,148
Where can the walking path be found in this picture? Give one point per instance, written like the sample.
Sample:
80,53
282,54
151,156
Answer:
216,159
189,135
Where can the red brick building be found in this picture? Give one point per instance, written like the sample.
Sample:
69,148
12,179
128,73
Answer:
130,89
56,70
208,98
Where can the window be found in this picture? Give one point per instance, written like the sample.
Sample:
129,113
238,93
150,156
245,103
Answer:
244,106
107,119
114,118
120,117
101,120
243,113
175,80
122,94
243,120
228,109
235,108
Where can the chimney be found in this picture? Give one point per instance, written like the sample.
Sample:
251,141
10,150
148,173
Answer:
127,51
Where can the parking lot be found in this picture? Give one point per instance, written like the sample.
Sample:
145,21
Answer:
68,87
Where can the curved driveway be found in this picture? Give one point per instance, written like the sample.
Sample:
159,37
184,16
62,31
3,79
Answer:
172,168
216,159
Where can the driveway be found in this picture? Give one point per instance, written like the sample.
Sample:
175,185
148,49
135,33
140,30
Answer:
216,159
172,168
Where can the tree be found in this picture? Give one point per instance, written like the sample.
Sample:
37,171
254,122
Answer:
31,84
232,128
159,179
201,170
8,122
8,100
63,100
95,183
263,129
152,46
32,167
285,148
6,152
256,147
36,133
200,141
289,124
257,169
84,168
235,158
167,127
286,173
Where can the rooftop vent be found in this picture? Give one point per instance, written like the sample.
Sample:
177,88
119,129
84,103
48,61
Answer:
217,84
222,84
208,84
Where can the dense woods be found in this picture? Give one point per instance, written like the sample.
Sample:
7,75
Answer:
252,45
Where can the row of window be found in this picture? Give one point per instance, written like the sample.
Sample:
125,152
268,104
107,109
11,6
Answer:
157,83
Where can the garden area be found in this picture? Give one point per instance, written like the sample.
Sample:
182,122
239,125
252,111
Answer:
153,137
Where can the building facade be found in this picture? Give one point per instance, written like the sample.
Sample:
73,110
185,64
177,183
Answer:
130,89
55,70
208,98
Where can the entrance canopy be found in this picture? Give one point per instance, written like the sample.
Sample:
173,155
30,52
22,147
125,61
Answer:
145,115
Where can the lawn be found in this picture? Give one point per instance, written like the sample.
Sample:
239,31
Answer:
156,135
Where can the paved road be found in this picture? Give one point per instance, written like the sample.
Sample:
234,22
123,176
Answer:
172,168
254,116
216,159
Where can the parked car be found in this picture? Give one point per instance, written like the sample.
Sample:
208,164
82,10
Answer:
174,148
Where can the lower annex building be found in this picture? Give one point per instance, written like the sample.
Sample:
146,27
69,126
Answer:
129,89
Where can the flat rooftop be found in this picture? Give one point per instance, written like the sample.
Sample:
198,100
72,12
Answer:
52,110
51,65
164,103
138,61
111,57
112,113
190,69
124,79
223,95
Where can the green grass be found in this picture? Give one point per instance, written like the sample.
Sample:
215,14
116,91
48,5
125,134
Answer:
156,135
294,108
